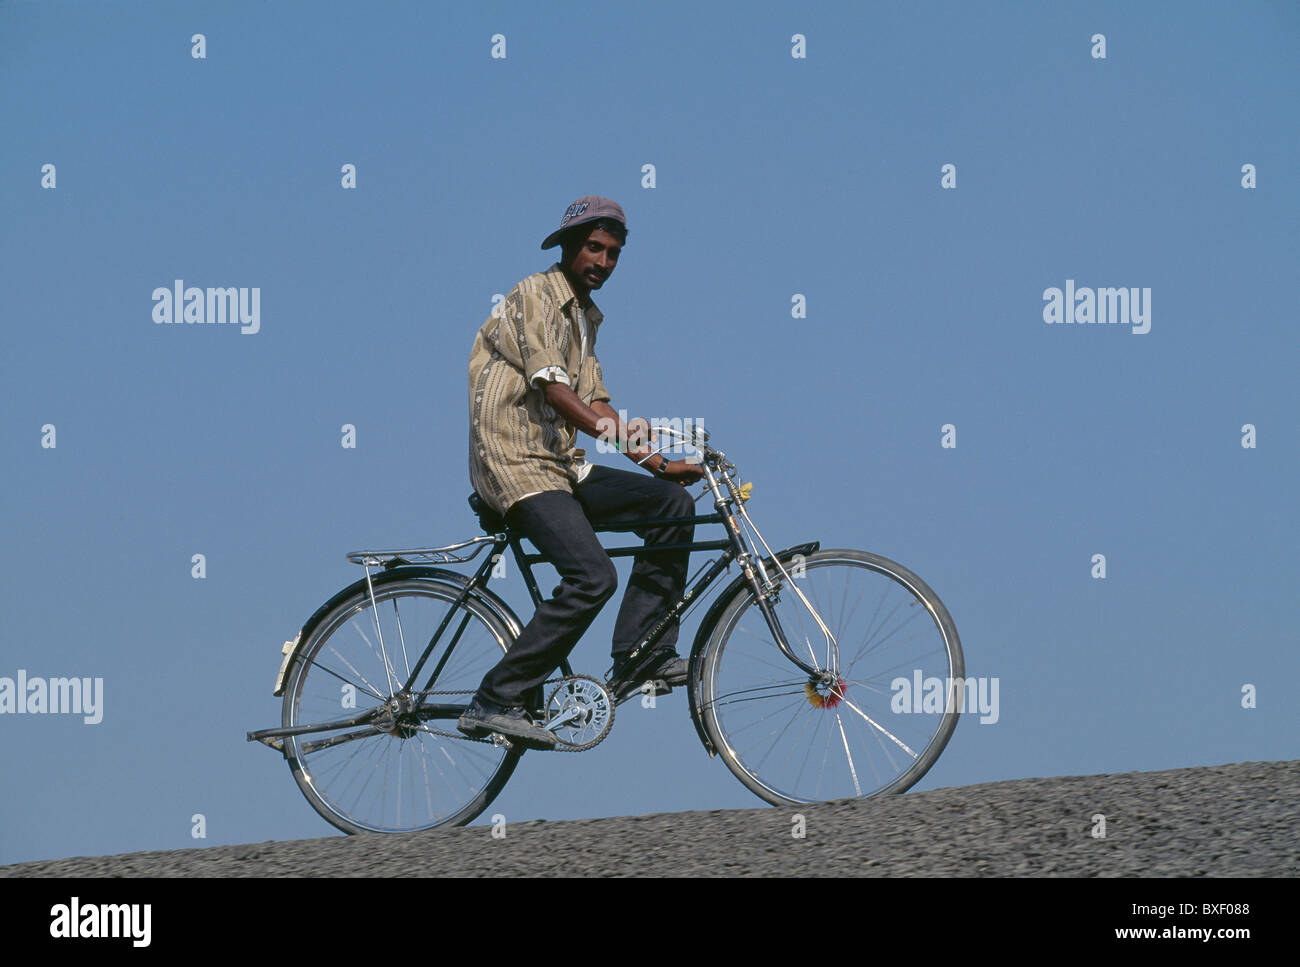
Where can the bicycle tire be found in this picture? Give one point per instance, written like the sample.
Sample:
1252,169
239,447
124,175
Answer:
738,682
425,780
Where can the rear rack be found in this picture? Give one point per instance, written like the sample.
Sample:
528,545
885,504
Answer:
425,555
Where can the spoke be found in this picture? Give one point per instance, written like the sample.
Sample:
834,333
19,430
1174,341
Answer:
387,669
797,616
397,797
462,655
770,643
812,653
869,686
428,786
912,663
873,737
799,776
871,623
314,663
376,757
849,617
738,730
902,624
401,637
867,718
426,759
866,642
857,787
843,598
347,762
379,632
470,746
821,775
781,731
810,721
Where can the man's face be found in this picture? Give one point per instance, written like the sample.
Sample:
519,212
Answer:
595,259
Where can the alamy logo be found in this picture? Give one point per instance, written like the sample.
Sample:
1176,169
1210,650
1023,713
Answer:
614,438
104,920
242,307
35,696
1084,305
931,696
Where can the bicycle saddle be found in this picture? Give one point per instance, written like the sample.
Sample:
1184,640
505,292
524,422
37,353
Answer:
489,519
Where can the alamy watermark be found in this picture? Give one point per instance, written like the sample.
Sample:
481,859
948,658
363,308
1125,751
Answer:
619,438
76,920
241,307
1083,305
929,694
54,696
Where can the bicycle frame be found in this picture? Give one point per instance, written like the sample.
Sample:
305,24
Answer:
718,473
732,548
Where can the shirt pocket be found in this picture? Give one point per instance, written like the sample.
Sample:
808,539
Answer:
586,388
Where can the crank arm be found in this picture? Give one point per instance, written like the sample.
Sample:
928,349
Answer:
552,724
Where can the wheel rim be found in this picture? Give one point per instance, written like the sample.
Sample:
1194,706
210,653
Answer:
402,778
847,733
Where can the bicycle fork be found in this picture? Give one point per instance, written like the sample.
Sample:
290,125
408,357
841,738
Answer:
764,586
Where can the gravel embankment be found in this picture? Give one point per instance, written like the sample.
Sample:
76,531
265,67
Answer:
1232,820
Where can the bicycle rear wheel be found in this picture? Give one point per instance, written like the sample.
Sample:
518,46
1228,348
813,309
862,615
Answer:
409,769
856,731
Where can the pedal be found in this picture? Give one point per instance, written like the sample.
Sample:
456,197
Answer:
514,743
630,691
511,743
475,733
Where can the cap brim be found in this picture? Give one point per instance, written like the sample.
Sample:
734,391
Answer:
553,239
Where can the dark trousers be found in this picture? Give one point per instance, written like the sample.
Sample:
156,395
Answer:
560,525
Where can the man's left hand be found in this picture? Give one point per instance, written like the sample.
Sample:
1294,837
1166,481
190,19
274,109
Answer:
682,471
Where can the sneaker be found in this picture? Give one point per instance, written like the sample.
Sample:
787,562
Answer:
665,668
484,717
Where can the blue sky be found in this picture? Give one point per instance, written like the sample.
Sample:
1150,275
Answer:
773,176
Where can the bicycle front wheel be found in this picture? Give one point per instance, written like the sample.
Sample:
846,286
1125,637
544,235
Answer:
408,769
857,729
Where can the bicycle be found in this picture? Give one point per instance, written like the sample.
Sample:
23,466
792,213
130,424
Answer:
770,688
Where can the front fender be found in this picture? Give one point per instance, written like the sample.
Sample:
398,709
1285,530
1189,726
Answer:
737,586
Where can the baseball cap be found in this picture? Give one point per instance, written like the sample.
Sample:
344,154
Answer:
588,208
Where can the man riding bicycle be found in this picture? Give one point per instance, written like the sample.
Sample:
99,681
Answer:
534,381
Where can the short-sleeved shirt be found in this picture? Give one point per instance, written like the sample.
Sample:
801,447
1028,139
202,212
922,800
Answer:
520,445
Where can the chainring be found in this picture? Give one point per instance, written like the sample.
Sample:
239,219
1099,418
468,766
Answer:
592,709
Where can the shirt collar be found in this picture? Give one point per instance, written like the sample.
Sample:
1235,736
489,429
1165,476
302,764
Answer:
567,295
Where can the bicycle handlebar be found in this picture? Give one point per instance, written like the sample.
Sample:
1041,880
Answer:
711,459
697,439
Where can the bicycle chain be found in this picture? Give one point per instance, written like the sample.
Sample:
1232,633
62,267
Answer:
486,741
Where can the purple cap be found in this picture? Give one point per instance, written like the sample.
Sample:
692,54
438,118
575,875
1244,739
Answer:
588,208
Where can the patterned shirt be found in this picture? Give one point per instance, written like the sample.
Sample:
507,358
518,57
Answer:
520,445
